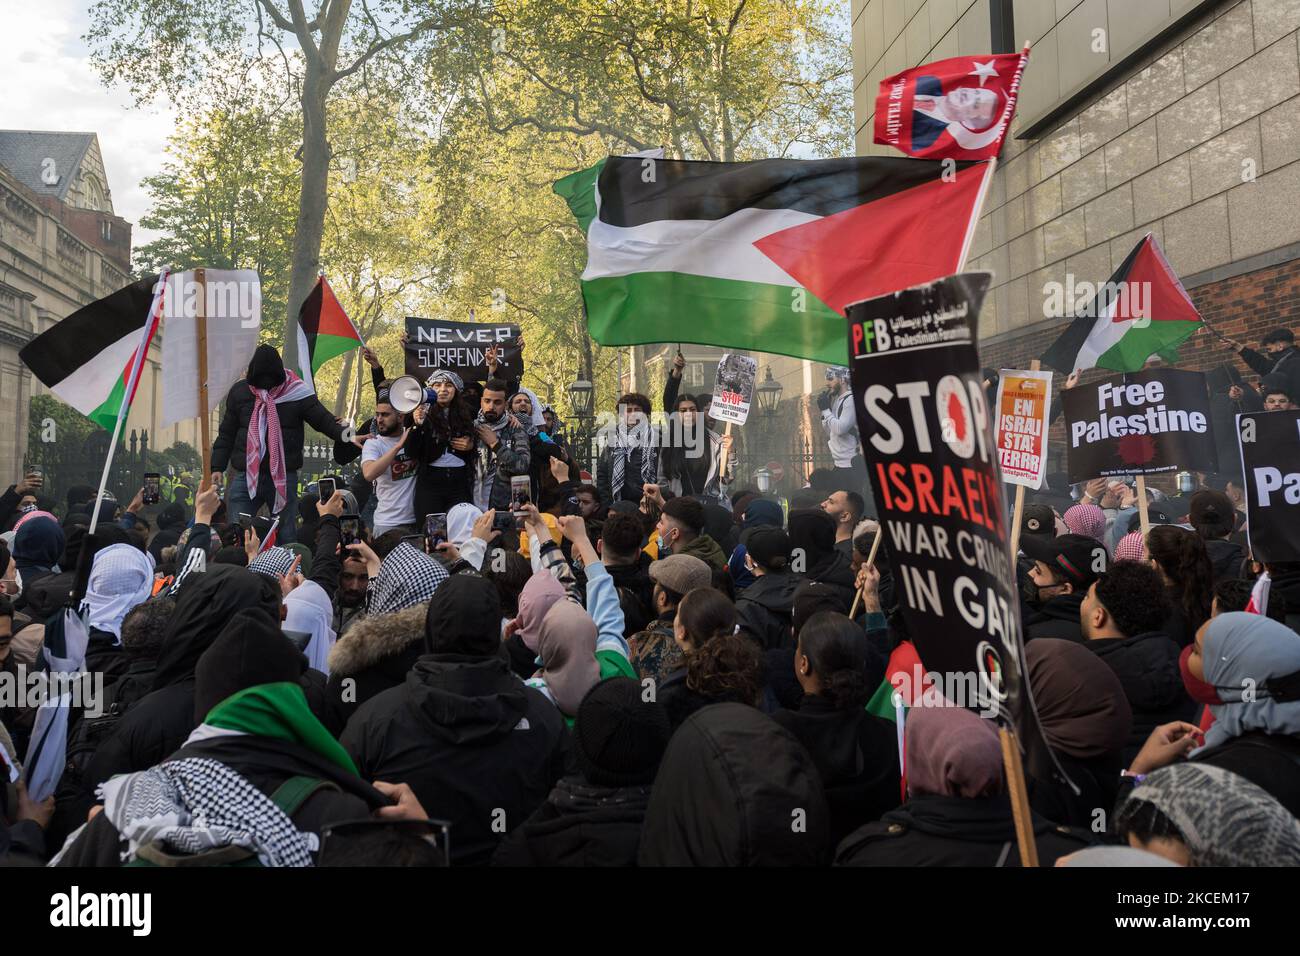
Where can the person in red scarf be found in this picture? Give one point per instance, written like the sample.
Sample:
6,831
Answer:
261,438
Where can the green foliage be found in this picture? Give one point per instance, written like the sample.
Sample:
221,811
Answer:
70,426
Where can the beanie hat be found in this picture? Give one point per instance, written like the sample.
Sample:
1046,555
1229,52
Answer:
769,547
1212,511
619,738
249,651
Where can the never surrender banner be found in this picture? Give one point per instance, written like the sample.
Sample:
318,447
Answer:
1270,461
461,347
927,434
1023,399
1139,423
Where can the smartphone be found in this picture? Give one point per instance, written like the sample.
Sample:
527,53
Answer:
435,531
245,520
520,493
349,529
326,488
152,488
503,521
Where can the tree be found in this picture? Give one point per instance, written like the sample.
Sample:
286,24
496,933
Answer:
185,47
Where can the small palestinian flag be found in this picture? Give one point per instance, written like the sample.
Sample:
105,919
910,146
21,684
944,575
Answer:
324,331
1142,310
765,255
86,359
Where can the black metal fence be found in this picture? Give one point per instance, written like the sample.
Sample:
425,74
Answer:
66,464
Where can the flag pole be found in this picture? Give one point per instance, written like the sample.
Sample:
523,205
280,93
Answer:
205,420
133,379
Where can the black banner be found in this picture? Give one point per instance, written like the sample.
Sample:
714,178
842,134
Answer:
1139,423
461,347
927,433
1270,462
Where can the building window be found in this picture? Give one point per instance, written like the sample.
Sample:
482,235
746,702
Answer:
106,230
693,374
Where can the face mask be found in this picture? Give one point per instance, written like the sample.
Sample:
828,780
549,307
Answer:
660,543
1197,689
1031,593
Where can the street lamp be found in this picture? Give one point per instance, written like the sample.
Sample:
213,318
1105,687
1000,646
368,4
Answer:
769,393
582,397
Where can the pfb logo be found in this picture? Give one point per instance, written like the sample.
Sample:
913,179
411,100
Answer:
871,336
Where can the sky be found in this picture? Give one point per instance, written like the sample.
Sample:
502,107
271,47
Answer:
50,85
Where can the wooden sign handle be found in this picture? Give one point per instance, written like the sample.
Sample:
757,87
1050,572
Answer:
201,334
1019,794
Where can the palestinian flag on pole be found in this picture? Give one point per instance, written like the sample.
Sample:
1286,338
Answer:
86,359
1142,310
763,255
324,331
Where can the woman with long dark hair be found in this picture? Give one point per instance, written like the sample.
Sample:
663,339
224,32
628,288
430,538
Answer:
443,442
720,664
855,751
1182,561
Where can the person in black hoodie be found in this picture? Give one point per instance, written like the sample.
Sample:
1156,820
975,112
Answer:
246,681
289,405
1121,618
1213,517
159,723
765,607
957,811
814,555
1064,568
735,788
594,817
856,752
477,746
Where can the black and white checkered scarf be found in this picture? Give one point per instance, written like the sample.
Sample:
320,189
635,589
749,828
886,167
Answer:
626,441
406,577
198,804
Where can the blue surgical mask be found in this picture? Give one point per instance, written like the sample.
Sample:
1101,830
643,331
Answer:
660,543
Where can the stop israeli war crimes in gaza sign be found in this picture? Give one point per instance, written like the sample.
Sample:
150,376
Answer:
1139,423
927,434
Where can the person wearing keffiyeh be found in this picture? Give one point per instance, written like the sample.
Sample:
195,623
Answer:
502,450
406,577
261,438
630,458
442,440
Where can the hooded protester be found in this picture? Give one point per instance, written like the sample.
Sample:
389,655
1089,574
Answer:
443,443
1086,720
856,753
379,649
261,437
159,723
121,577
757,512
1213,517
37,549
594,816
259,778
727,789
958,812
460,522
812,534
307,609
1199,815
467,736
1121,618
523,634
765,607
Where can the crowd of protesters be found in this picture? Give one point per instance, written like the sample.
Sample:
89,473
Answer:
658,666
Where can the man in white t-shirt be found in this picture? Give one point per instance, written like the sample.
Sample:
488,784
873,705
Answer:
385,462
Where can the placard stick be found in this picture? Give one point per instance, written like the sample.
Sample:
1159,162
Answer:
205,419
723,455
871,558
1016,514
1019,797
1142,506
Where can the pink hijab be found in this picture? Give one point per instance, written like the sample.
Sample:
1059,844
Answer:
568,650
952,753
538,596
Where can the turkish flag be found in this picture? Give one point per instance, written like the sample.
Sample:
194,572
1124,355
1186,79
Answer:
953,109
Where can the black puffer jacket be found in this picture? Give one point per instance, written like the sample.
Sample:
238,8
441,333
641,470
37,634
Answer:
232,438
1057,617
478,747
953,831
735,788
1147,666
765,610
580,824
375,654
159,723
1226,557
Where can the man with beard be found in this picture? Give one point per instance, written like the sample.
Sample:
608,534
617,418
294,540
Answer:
350,598
502,449
386,462
840,422
1064,568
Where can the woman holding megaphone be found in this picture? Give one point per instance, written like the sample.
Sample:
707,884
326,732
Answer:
442,439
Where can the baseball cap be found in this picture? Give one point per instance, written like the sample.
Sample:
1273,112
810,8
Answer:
1038,519
1072,556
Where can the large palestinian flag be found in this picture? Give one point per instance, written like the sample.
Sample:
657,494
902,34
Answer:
324,331
1142,310
86,359
763,255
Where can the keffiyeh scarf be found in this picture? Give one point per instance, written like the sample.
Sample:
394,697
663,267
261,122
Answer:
272,563
406,577
120,578
198,804
264,436
627,440
442,375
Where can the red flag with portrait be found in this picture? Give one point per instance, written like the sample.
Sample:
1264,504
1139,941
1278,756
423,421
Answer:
952,109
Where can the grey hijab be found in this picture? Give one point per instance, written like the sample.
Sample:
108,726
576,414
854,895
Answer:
1241,652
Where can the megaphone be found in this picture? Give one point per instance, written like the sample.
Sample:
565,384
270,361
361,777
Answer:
406,394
